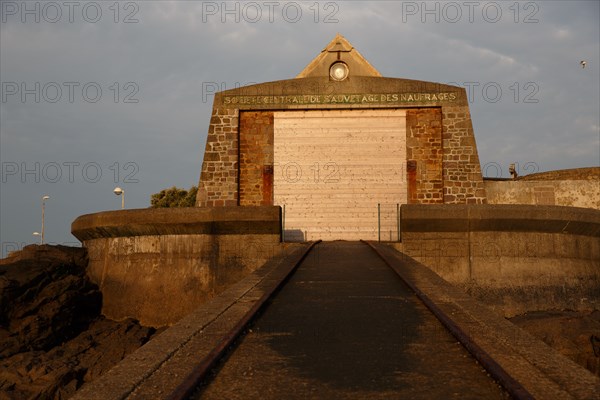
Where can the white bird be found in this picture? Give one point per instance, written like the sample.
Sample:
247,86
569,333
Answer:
583,63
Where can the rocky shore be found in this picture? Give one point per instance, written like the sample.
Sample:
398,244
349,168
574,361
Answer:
568,332
52,336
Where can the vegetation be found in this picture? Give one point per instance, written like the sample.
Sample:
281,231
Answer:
174,197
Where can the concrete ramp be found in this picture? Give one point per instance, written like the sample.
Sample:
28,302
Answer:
346,326
342,320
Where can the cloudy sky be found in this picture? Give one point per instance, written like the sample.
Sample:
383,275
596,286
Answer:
103,94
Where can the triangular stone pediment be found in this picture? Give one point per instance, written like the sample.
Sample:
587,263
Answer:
339,49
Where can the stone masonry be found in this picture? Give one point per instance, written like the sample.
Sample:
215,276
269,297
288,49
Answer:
441,154
219,175
424,155
256,158
463,182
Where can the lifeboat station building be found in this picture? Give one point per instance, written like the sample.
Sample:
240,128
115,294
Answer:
340,148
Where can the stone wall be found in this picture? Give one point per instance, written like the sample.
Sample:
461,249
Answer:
515,258
219,175
575,174
575,188
256,158
157,265
424,155
463,182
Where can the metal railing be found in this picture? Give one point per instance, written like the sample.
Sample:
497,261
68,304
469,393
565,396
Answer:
388,222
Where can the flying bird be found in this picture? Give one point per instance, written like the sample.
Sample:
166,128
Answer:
583,63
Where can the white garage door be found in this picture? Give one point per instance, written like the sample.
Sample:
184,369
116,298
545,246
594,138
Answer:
333,167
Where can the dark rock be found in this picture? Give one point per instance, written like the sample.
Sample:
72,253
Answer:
46,299
58,373
568,332
52,337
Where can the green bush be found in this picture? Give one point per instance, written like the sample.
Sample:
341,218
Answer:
174,197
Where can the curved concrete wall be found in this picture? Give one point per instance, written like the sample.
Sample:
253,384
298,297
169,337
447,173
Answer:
574,187
157,265
515,258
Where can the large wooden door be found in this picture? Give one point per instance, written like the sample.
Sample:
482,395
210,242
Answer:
333,167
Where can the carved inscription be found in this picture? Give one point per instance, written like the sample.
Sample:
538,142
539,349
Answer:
385,98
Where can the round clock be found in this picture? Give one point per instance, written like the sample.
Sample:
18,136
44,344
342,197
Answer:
338,71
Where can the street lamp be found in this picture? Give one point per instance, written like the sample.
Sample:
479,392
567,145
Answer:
120,192
44,198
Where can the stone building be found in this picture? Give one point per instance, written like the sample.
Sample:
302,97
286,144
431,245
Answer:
339,147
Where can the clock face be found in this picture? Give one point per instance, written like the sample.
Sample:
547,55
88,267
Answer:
338,71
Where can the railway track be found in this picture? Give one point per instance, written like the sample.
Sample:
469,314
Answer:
379,361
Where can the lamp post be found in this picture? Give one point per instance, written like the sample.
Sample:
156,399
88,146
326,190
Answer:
44,198
120,192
